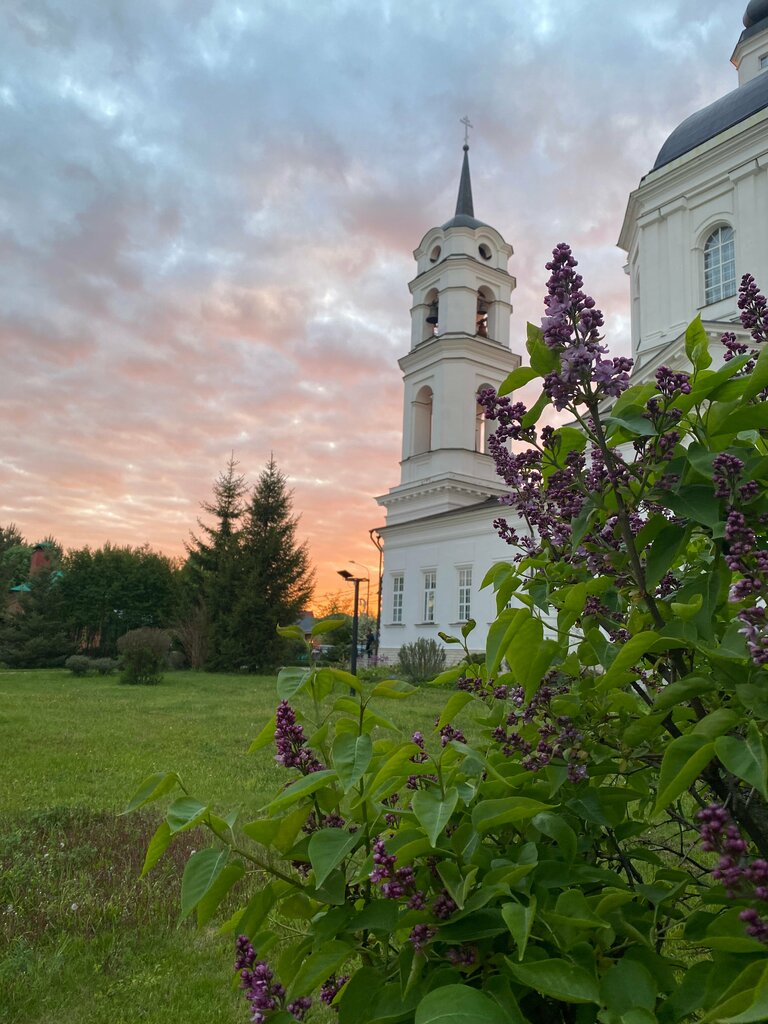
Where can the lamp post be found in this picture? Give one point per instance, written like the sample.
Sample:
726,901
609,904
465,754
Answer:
368,584
356,580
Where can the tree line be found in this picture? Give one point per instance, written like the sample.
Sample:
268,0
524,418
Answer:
244,573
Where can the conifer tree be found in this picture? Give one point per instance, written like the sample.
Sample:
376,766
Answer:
34,635
214,570
277,580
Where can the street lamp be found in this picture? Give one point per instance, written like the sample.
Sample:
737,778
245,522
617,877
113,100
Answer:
356,580
368,582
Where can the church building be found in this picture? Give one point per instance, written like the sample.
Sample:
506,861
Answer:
696,222
439,541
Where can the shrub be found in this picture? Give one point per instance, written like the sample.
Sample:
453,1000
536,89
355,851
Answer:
78,664
143,654
105,666
595,849
423,659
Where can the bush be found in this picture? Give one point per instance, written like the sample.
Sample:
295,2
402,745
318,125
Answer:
421,660
78,664
595,848
143,654
105,666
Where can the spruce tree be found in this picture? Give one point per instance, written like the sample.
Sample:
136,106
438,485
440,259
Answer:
277,580
213,568
35,635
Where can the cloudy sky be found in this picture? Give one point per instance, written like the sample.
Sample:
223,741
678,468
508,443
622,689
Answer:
208,211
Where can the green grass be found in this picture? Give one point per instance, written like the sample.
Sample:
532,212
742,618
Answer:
82,939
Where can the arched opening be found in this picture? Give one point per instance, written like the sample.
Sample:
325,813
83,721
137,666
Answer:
481,424
432,319
483,312
719,265
422,421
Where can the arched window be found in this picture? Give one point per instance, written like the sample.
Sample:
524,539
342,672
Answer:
719,265
484,303
422,421
481,425
431,321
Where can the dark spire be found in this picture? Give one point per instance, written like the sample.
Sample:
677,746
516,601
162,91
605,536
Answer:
464,205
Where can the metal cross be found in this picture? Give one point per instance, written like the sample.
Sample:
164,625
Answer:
467,125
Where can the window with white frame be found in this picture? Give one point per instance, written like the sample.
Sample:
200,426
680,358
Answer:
465,594
430,587
719,265
398,589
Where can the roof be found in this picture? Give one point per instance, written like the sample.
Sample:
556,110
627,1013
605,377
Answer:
465,210
705,124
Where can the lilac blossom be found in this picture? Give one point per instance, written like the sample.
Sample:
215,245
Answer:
420,935
741,877
393,882
290,741
259,986
331,988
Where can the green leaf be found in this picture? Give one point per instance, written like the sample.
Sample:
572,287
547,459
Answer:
453,706
695,502
519,920
291,681
573,911
686,610
200,872
558,979
327,849
185,813
748,417
351,757
449,676
629,655
543,358
358,995
328,625
500,634
209,904
152,788
697,344
491,814
432,811
291,633
744,1005
346,678
459,1004
318,967
265,736
302,787
393,689
158,844
538,407
553,826
684,760
683,690
746,758
628,986
517,379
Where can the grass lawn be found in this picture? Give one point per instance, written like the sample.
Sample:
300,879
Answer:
82,939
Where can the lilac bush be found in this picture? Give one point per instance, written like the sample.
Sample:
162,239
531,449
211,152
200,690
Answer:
582,835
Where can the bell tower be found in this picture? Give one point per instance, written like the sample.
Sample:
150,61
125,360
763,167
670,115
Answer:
459,344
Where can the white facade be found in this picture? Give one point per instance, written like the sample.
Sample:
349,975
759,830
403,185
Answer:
697,221
439,540
695,224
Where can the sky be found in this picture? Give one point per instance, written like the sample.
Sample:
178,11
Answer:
208,211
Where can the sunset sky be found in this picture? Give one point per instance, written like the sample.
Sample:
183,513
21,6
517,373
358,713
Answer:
208,212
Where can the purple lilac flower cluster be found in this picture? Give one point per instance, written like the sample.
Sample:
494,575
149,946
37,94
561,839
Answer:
571,327
556,736
726,472
448,733
742,878
754,308
260,988
292,751
420,935
331,988
394,882
482,687
744,557
462,956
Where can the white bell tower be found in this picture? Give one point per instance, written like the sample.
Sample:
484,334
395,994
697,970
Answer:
459,344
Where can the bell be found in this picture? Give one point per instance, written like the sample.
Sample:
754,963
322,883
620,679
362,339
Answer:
432,318
482,308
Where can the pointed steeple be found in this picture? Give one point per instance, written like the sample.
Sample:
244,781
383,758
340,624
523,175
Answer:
464,205
465,209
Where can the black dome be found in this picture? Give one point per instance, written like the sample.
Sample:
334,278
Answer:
756,11
724,113
463,220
